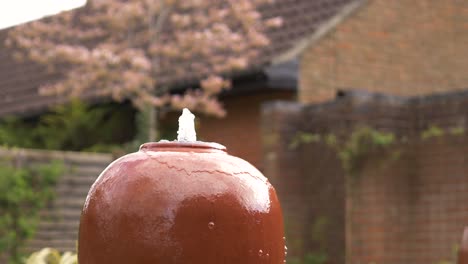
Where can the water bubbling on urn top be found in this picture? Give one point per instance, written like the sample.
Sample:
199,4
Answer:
186,139
186,130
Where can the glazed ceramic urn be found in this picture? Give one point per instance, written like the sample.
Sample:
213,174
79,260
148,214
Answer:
184,202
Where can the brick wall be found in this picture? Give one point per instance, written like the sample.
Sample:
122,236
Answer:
403,47
438,203
410,210
405,208
309,183
239,131
378,213
309,179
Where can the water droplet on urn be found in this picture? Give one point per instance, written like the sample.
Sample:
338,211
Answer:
211,225
260,253
285,251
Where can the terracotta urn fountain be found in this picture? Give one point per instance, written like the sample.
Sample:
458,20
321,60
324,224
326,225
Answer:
185,202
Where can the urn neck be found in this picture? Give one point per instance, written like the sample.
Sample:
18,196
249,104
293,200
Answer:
196,146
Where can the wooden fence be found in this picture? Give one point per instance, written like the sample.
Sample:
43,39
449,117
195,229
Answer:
59,222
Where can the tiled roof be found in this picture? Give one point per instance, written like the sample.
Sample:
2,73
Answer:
19,81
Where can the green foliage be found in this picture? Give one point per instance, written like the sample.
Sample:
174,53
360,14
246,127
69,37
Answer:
75,126
353,149
24,192
304,138
457,131
51,256
359,144
432,131
14,132
331,140
435,131
142,125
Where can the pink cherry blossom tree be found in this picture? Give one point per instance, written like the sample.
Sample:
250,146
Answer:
124,49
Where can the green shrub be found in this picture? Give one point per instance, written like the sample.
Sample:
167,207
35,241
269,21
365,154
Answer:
360,143
75,126
353,149
24,192
432,131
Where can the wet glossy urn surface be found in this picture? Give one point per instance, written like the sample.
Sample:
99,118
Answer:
184,203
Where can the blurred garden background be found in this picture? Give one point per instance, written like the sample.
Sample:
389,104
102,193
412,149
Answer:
355,110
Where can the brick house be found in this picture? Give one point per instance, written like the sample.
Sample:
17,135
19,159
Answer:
267,79
411,60
401,47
